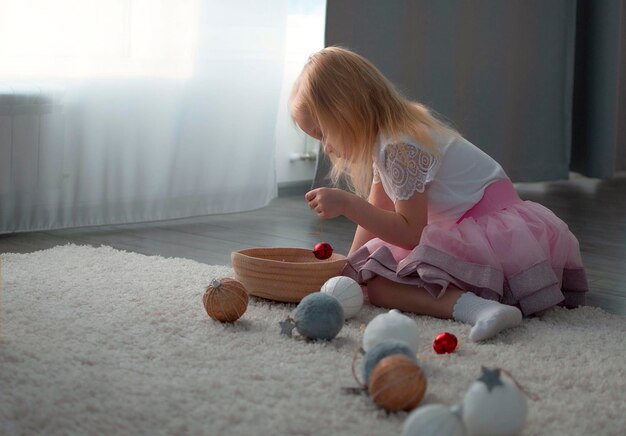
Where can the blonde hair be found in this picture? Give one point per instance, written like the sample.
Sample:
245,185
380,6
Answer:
347,95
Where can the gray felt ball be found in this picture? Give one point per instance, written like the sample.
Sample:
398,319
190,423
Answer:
319,316
382,350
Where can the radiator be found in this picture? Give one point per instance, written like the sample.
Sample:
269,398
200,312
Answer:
31,134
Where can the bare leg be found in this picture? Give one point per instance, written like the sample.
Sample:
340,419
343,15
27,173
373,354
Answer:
487,317
408,298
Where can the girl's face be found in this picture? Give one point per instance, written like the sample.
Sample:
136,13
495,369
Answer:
305,121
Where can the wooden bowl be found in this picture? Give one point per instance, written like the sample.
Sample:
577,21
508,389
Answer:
284,274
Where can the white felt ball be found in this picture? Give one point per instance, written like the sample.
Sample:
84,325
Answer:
391,325
493,405
347,291
433,420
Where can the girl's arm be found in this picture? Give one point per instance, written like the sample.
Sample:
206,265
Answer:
402,227
377,197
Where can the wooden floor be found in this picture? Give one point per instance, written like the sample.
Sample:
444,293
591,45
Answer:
594,209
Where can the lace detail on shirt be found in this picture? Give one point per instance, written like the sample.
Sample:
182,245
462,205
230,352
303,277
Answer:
376,178
407,169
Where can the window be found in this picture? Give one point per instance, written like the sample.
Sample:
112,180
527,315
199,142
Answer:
76,38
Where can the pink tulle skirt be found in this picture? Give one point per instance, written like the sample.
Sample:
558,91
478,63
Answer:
504,249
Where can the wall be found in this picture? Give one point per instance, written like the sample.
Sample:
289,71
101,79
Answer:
500,71
305,35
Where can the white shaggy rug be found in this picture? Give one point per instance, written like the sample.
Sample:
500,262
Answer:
99,341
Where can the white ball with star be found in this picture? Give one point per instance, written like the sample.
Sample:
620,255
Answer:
347,291
493,405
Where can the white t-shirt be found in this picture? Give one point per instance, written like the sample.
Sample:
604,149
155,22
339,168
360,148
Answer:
454,179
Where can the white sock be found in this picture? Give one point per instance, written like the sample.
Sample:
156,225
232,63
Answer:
487,316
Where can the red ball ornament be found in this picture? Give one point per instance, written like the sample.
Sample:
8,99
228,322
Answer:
445,343
323,250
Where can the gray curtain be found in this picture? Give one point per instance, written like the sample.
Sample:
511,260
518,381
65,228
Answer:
502,73
599,134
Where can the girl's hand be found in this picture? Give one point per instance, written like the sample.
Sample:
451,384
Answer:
328,202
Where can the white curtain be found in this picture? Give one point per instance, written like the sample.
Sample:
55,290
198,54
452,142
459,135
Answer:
123,111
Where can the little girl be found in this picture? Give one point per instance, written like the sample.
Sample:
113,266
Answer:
443,231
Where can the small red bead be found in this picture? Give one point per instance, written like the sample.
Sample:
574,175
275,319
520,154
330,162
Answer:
323,250
445,343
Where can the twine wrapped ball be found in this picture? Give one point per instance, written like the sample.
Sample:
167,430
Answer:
391,325
382,350
225,299
319,316
397,383
433,420
347,291
494,405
